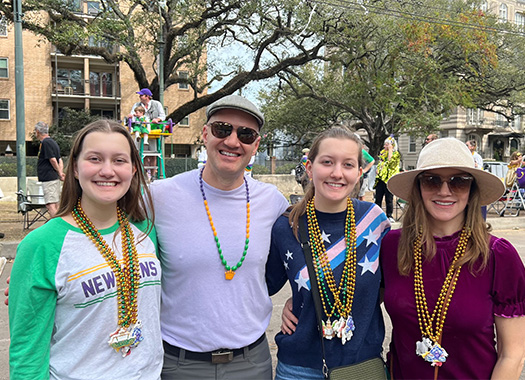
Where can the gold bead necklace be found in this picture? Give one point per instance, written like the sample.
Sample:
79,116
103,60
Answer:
343,294
127,277
431,326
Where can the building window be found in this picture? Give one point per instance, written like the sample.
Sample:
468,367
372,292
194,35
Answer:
3,26
4,109
501,121
183,75
514,145
69,82
73,5
4,65
101,84
503,12
484,6
411,144
517,122
474,116
106,114
185,122
93,7
519,19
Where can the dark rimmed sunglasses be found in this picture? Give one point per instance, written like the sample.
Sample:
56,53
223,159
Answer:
221,130
456,184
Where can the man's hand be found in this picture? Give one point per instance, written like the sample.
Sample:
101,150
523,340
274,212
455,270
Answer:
289,323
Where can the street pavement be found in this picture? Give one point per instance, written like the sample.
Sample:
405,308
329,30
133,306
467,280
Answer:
508,227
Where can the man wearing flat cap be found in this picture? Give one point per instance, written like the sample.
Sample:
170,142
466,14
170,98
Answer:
213,227
154,109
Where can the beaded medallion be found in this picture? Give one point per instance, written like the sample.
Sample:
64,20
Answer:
431,326
230,270
341,306
129,332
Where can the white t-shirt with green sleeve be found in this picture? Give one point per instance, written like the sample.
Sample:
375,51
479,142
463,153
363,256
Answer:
63,307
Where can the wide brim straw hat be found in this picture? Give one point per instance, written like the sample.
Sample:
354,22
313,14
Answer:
449,153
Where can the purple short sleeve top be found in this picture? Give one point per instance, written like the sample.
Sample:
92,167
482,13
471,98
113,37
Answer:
468,333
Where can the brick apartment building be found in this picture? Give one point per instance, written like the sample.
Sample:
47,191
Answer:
53,81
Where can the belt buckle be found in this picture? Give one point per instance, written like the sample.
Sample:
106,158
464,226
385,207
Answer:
221,356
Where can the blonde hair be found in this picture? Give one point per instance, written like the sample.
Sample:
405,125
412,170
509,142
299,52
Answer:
337,132
416,219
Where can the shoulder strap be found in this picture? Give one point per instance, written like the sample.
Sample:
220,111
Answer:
303,235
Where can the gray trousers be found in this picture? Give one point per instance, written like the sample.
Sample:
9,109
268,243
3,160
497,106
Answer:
253,364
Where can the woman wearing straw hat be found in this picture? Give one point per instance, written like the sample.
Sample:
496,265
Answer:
448,282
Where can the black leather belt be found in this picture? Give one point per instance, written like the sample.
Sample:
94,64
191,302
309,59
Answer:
224,355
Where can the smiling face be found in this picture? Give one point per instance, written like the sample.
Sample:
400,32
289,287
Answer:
104,169
445,208
227,157
334,172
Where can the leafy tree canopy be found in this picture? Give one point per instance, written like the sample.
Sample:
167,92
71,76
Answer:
273,32
400,67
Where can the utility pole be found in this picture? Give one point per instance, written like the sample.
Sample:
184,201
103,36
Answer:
20,99
162,5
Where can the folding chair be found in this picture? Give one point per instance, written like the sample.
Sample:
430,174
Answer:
32,206
400,208
499,205
514,201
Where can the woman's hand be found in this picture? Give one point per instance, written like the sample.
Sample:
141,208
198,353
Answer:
289,319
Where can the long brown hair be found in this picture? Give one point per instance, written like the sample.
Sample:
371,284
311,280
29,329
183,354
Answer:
135,203
416,219
336,132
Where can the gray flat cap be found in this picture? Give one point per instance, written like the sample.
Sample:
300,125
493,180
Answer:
235,102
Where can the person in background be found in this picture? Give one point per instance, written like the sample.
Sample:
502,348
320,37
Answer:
141,124
368,161
50,167
478,164
214,226
84,294
454,292
154,109
249,168
344,235
478,160
431,137
387,167
516,160
202,157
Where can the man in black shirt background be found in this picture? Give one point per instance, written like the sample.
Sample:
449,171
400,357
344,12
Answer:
50,167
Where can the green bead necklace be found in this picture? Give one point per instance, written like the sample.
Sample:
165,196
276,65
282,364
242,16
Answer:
230,271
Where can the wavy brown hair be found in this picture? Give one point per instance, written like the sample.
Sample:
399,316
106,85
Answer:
416,218
137,200
336,132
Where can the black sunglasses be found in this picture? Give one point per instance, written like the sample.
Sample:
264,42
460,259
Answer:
456,184
221,130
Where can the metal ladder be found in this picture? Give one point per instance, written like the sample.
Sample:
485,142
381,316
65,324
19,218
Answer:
514,202
153,149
